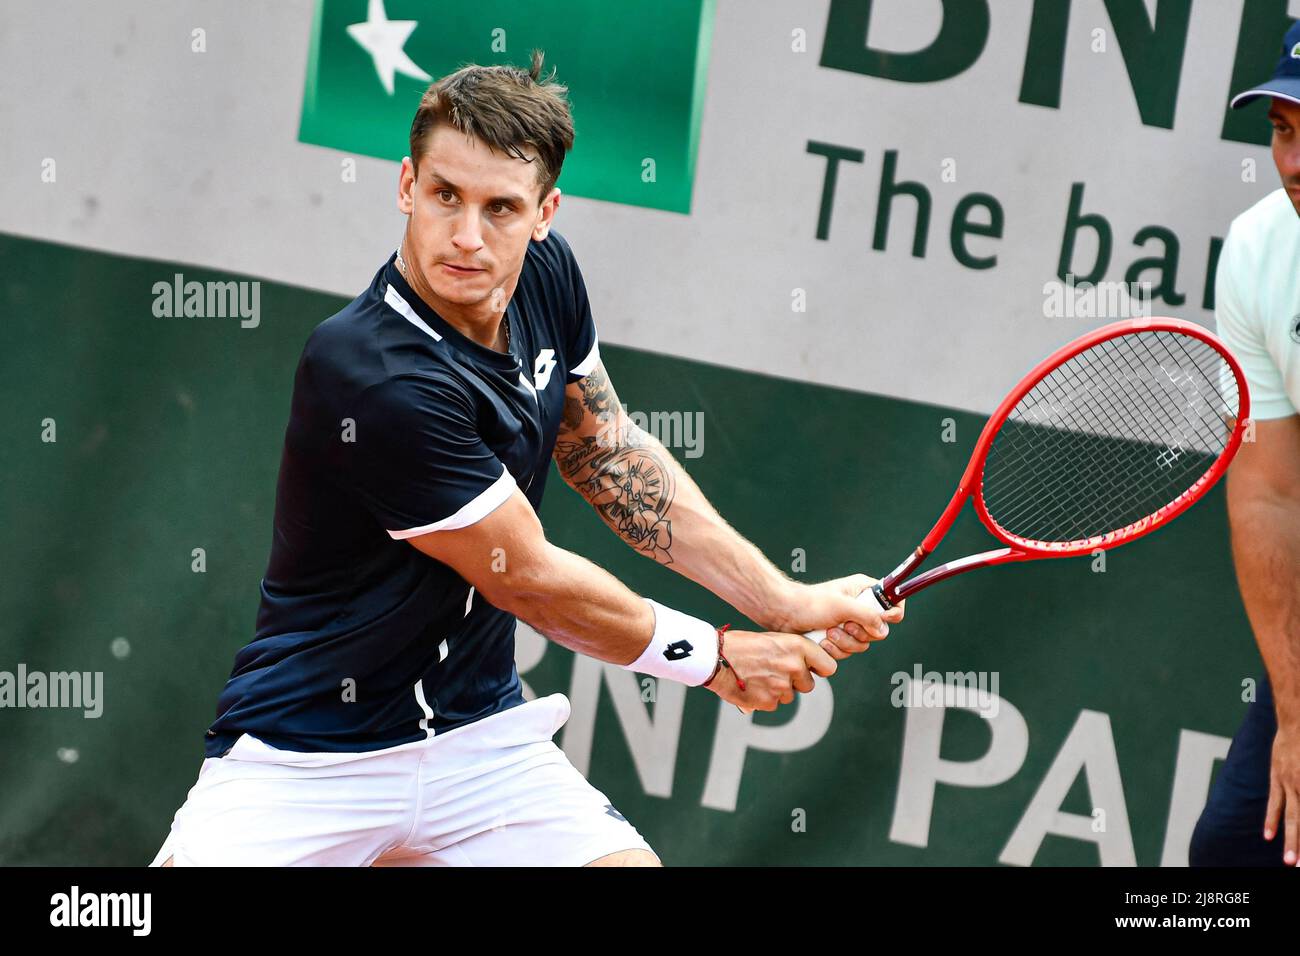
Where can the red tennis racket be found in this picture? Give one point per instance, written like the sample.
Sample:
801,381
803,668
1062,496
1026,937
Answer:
1111,437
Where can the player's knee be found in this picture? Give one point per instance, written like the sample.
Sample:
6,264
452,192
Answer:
627,858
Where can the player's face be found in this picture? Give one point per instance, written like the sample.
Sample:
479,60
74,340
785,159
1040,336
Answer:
1285,117
472,214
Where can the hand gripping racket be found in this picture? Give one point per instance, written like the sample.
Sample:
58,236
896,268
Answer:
1109,438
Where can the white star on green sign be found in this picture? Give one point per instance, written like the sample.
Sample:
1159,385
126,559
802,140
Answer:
383,39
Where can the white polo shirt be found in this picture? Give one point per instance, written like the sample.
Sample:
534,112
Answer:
1257,303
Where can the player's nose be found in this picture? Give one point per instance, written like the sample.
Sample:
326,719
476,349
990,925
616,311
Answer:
468,234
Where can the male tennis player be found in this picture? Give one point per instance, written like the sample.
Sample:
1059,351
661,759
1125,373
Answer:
1257,303
377,716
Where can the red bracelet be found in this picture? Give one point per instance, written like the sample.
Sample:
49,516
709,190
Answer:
723,662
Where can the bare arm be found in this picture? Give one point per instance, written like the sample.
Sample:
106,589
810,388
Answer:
566,597
1264,512
645,496
506,557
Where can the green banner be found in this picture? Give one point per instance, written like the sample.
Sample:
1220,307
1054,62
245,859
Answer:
635,70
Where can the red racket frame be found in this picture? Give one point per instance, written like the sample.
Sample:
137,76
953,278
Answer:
891,589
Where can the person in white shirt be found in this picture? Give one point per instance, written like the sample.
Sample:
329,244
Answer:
1256,795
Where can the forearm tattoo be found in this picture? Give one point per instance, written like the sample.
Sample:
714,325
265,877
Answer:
628,481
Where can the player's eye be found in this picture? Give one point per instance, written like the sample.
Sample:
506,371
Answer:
499,209
446,195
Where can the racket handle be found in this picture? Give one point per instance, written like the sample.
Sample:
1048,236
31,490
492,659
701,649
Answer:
819,635
876,593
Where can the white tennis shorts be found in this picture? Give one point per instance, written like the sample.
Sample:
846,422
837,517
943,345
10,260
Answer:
497,792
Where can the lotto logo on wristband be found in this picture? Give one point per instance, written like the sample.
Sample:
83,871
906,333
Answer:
682,648
678,651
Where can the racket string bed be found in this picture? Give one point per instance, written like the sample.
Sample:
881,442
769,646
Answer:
1090,467
1061,511
1076,450
1097,427
1073,454
1109,437
1101,466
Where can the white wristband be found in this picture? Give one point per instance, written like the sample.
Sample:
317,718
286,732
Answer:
683,648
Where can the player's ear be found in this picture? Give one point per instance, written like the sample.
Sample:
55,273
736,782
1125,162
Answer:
545,214
406,187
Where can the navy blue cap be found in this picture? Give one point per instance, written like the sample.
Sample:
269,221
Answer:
1286,75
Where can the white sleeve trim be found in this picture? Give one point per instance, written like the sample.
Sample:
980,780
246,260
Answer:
488,501
586,365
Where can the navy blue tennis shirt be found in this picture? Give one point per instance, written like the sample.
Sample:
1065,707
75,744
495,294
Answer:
401,425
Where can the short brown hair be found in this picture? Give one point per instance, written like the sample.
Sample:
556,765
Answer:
508,108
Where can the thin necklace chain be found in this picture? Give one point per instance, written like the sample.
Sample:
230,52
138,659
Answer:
401,267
